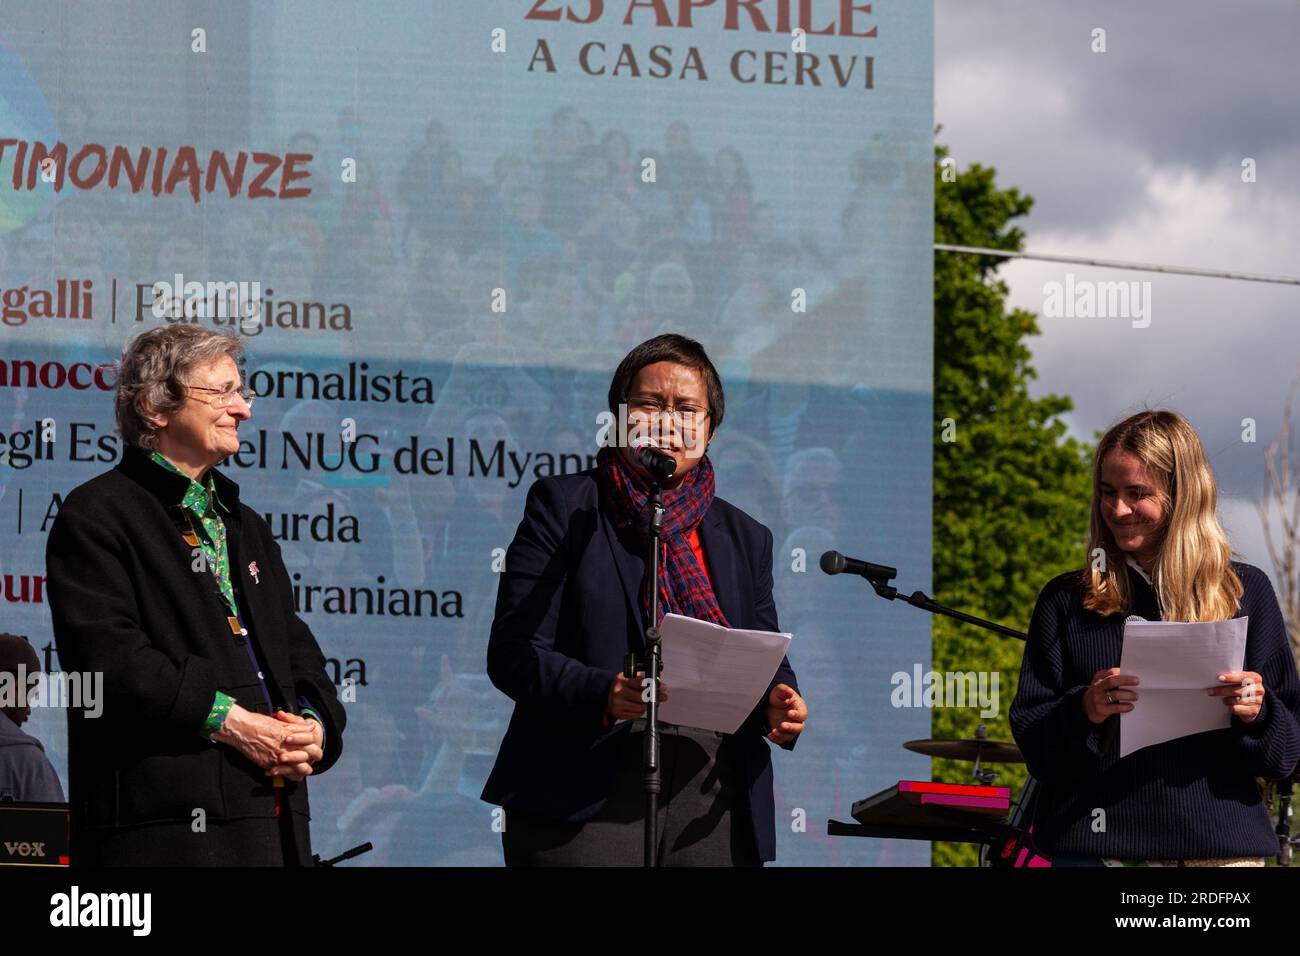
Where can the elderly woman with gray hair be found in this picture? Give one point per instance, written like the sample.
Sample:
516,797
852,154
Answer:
216,705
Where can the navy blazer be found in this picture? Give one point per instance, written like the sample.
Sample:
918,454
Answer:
567,613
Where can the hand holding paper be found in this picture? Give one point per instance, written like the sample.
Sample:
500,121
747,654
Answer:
1243,691
1111,692
1176,662
717,673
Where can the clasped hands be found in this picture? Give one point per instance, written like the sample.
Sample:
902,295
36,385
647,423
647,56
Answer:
283,745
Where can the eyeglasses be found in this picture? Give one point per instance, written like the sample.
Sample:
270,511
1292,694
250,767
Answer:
224,397
686,417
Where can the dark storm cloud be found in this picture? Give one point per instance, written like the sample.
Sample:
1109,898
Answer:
1183,85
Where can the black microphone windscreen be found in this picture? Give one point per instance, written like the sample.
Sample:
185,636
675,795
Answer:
833,562
660,464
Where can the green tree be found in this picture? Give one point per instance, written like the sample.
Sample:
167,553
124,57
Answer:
1011,490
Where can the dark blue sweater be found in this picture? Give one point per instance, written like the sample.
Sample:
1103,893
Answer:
1190,798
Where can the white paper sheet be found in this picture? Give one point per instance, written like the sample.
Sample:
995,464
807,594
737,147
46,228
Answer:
715,675
1175,663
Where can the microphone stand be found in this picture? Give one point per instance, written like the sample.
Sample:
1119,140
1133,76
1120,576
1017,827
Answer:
654,649
1010,850
345,855
1285,841
926,603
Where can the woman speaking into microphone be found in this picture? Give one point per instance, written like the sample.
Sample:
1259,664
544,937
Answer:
1193,800
572,604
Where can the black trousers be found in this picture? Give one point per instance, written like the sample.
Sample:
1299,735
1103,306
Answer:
703,815
252,841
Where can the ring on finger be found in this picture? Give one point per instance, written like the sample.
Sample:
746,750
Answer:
1109,699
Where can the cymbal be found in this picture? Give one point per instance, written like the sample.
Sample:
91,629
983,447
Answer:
973,748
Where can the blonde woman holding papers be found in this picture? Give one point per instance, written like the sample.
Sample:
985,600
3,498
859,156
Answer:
1191,801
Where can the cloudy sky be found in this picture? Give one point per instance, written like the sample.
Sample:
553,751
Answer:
1136,154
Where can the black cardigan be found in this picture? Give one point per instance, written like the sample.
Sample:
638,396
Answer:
1190,798
126,602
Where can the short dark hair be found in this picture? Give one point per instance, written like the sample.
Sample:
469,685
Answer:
14,650
669,347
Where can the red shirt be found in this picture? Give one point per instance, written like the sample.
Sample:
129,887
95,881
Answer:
692,539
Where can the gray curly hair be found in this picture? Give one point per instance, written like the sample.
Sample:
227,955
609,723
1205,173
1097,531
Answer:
153,370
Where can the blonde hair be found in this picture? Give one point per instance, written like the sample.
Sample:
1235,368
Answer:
1192,575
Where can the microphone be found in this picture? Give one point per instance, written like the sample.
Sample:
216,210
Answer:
833,562
660,464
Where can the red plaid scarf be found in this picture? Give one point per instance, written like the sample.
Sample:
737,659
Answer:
683,586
